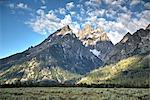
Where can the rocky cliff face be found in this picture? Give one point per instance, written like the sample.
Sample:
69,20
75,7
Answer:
96,40
61,50
130,45
127,63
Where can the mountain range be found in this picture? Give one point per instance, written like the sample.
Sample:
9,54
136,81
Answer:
87,57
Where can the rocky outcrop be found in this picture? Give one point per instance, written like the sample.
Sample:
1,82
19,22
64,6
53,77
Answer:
148,27
130,45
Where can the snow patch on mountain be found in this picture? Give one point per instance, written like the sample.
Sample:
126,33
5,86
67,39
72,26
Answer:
95,52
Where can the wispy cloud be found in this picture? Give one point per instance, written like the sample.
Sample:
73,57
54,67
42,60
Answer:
43,7
62,11
11,5
49,22
115,18
147,5
22,6
43,2
135,2
44,22
19,5
69,5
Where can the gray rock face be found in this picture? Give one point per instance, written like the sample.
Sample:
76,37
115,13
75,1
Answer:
130,45
102,47
62,49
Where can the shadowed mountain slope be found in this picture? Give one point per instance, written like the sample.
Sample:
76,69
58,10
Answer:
130,45
61,50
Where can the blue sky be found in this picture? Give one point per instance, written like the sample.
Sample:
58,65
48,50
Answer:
25,23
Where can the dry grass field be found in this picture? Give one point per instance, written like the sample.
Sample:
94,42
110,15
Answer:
74,93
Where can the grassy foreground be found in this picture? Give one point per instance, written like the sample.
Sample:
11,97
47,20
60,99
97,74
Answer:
70,93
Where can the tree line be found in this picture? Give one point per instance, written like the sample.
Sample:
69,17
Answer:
30,84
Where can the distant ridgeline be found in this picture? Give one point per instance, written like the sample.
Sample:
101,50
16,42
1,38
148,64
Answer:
84,59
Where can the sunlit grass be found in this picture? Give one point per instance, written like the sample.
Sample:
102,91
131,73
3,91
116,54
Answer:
133,70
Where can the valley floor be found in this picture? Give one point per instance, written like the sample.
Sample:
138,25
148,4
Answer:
74,93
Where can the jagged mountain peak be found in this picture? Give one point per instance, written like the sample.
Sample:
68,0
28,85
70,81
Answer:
90,36
88,27
104,37
85,31
96,40
135,44
64,30
126,37
128,34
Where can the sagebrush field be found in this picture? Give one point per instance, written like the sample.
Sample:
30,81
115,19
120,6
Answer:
70,93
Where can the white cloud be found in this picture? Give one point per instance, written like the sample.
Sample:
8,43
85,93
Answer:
143,21
117,26
82,11
125,23
116,30
62,11
79,18
79,5
40,12
48,22
75,27
114,36
67,20
43,2
97,12
19,5
116,19
72,13
116,2
22,6
45,22
38,25
98,1
11,5
108,1
51,16
135,2
133,24
147,5
93,3
124,18
69,5
92,20
43,7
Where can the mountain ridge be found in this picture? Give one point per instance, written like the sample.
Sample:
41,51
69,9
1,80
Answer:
130,45
64,57
127,65
62,49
